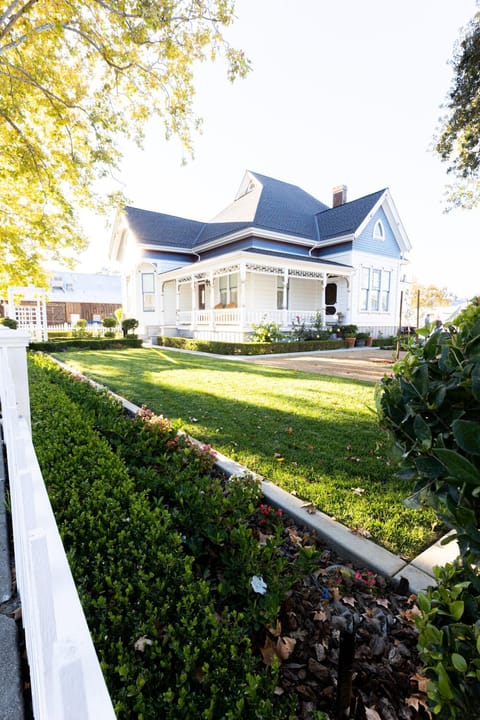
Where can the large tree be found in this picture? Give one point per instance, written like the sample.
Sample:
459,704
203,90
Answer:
76,76
459,139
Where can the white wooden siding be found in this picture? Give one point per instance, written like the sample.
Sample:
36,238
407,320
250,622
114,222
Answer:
169,305
305,294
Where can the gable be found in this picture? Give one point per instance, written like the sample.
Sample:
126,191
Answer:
347,218
371,242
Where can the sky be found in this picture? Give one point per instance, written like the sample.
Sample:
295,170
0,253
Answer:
346,92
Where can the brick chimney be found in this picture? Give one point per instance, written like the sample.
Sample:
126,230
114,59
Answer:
339,195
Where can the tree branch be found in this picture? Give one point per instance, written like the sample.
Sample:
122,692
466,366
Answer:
15,17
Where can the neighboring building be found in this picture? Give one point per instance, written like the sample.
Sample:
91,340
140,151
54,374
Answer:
90,296
71,296
275,254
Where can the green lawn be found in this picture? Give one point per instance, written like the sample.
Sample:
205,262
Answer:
313,435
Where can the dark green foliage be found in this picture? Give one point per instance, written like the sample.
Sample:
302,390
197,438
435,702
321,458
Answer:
432,406
162,553
129,324
9,322
459,141
62,344
449,643
250,348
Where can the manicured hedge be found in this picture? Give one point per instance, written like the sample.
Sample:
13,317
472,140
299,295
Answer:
248,348
163,555
61,344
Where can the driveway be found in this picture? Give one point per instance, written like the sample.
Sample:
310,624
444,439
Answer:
360,363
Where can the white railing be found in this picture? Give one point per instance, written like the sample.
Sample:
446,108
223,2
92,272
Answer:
66,678
96,329
235,316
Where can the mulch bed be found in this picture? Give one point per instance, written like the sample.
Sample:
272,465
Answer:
346,641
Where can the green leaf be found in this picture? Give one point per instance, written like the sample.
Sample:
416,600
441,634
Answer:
459,662
467,435
422,432
456,609
443,682
458,467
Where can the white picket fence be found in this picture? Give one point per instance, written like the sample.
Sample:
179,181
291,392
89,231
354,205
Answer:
66,679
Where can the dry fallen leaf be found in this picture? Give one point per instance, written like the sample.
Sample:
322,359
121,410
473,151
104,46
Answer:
383,602
372,714
263,539
349,601
141,642
358,490
362,532
268,650
320,615
309,507
285,647
411,614
294,537
421,682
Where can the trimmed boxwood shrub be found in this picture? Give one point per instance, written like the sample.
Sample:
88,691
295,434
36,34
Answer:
248,348
58,345
163,556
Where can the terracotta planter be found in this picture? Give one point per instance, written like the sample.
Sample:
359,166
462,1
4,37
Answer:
350,342
368,342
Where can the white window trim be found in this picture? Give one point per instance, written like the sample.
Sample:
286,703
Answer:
379,231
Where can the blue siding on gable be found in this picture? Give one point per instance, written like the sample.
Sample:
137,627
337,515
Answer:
166,261
367,243
254,243
327,252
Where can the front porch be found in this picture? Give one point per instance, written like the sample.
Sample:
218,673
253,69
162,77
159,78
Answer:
225,302
236,324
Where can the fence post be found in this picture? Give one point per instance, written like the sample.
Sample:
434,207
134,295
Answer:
13,344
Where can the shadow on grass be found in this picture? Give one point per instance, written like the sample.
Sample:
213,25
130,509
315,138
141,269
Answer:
315,439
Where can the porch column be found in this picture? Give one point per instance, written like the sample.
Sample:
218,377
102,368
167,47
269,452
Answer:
193,304
323,305
242,296
177,304
211,296
349,301
285,298
161,305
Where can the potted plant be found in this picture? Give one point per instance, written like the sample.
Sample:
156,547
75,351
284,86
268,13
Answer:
361,339
350,339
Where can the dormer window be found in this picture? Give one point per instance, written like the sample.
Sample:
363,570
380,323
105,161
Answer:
379,231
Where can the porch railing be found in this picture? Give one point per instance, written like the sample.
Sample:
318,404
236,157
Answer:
246,318
66,678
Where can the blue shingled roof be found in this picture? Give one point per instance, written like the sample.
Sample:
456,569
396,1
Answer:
345,219
281,207
287,208
160,229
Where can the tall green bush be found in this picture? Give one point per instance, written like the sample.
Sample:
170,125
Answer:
432,407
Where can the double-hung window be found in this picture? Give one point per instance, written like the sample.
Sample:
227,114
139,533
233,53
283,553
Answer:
228,288
375,290
148,292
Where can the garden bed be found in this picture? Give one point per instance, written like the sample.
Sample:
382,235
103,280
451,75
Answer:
202,601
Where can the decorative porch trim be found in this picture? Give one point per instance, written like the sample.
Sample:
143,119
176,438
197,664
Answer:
226,270
265,269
